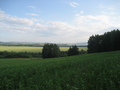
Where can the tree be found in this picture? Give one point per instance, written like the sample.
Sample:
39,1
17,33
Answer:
109,41
74,50
91,44
50,51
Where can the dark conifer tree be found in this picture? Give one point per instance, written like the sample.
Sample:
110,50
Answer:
109,41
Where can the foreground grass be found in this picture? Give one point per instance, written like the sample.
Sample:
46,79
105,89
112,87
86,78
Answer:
100,71
31,49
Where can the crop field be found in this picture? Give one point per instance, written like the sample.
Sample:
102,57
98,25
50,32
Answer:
98,71
31,49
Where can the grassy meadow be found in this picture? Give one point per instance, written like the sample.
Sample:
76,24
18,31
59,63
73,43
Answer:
30,49
98,71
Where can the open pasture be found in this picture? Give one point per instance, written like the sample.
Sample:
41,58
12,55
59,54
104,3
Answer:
30,49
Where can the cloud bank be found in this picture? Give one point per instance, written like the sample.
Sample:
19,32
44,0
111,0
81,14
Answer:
31,29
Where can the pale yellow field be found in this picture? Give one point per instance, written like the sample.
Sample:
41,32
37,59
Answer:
66,48
30,49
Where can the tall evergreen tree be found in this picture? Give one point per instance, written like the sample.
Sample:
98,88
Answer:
91,44
109,41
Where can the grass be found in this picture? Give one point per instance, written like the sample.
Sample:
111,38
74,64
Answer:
31,49
99,71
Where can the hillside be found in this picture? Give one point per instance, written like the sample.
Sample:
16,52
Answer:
98,71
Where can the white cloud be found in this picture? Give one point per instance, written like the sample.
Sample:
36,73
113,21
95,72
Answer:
106,7
55,31
73,4
12,23
95,24
35,9
108,13
32,14
113,13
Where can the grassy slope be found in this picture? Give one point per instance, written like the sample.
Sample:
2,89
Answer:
31,49
100,71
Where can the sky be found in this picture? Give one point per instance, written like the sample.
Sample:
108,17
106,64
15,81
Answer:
57,21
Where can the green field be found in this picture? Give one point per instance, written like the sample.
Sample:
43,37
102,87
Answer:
31,49
99,71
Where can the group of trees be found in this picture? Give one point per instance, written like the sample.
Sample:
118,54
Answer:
48,51
109,41
52,50
5,54
74,50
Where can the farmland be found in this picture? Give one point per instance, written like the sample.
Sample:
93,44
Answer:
30,49
98,71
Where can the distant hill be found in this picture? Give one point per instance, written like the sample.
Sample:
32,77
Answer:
33,44
21,44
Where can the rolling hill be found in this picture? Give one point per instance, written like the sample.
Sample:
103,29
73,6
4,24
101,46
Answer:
98,71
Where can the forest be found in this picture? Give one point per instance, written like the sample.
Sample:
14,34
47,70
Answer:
109,41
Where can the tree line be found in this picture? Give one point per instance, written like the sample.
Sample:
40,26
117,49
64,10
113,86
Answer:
5,54
48,51
53,50
109,41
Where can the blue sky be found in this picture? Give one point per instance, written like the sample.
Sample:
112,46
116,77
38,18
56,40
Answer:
57,21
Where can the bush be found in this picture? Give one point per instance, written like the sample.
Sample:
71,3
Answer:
83,51
63,53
